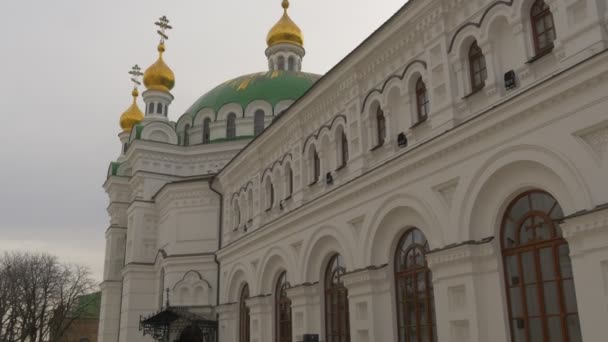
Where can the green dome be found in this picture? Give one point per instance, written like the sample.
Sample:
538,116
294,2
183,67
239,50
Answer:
272,87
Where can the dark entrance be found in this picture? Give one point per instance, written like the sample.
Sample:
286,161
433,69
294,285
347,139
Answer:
192,334
173,321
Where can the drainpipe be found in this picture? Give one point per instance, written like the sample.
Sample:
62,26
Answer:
219,240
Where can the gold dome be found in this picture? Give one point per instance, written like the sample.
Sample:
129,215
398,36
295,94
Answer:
159,76
131,116
285,30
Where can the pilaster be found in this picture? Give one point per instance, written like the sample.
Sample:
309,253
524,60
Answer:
587,236
227,322
370,303
306,310
261,318
469,298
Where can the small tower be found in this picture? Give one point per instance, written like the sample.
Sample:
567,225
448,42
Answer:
133,115
159,80
285,44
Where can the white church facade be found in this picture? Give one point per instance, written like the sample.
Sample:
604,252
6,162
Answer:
446,181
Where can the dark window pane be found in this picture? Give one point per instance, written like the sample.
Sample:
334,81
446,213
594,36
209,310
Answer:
551,298
574,328
532,300
516,300
536,330
528,267
569,295
547,263
565,263
518,330
554,325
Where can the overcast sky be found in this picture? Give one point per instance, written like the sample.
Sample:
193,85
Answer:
64,84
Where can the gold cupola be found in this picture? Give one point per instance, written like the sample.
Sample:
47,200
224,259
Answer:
285,30
133,115
159,76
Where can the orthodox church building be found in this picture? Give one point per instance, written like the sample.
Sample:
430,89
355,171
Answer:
446,181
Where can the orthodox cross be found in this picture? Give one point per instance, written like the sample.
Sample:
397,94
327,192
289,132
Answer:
163,24
135,75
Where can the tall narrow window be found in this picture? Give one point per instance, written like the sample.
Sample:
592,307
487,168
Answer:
343,149
186,135
337,326
206,131
283,310
477,65
244,319
281,63
422,100
159,108
380,126
538,271
291,63
237,215
415,303
258,122
289,180
269,194
316,166
231,126
250,203
543,27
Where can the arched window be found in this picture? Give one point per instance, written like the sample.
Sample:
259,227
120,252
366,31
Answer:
337,326
477,67
244,321
316,166
258,122
231,126
150,108
237,215
281,63
289,181
380,126
414,287
269,194
538,271
343,150
186,135
291,63
161,288
543,27
250,203
125,147
159,108
422,101
283,310
206,131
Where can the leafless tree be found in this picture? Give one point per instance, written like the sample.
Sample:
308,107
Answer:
39,296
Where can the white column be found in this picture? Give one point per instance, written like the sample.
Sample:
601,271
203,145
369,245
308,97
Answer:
587,236
260,309
109,315
227,322
305,310
469,298
370,304
139,299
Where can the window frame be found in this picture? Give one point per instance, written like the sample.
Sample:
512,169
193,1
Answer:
380,127
534,248
336,290
244,316
258,122
403,274
206,131
316,167
422,101
476,57
344,152
231,126
283,311
544,12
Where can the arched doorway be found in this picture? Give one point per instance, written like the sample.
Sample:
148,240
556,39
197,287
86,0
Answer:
192,334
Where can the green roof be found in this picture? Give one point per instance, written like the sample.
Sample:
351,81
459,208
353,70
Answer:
89,305
271,86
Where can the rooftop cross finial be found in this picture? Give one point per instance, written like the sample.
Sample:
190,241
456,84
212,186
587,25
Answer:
135,75
163,24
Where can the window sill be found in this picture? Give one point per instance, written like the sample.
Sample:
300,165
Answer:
288,198
341,167
268,210
313,183
540,55
376,147
473,92
419,123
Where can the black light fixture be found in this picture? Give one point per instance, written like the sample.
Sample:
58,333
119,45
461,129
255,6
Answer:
329,179
402,140
311,338
510,81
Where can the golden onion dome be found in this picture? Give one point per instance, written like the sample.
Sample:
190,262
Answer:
159,76
285,30
131,116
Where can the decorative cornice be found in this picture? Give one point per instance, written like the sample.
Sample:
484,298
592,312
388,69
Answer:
585,223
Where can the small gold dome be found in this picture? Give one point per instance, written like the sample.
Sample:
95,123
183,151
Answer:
159,76
131,116
285,30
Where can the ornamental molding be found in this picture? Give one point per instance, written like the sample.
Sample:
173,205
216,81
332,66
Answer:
596,138
460,254
585,223
368,276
